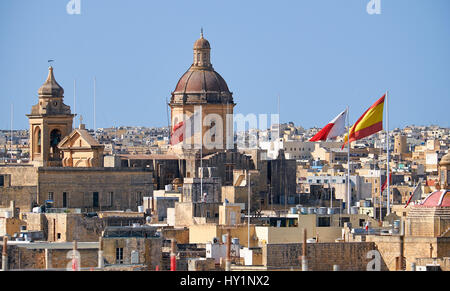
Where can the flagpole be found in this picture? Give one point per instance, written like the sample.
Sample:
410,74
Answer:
201,153
74,100
380,184
348,163
11,133
388,157
95,126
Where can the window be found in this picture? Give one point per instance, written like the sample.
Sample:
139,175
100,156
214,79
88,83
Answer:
59,235
111,198
119,255
95,199
50,195
362,222
343,220
323,221
229,173
64,199
2,181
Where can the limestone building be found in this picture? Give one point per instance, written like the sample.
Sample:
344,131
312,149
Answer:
66,166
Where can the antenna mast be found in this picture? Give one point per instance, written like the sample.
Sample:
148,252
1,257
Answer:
95,126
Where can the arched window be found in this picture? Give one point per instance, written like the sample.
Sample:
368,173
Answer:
37,140
55,138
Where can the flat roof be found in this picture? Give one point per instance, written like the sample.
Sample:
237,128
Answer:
55,245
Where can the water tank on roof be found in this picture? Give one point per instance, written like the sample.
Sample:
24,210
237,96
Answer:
293,210
331,210
168,187
396,224
321,210
311,210
140,208
235,240
304,210
224,238
354,210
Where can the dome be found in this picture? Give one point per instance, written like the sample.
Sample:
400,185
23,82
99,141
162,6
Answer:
436,199
198,81
202,43
201,84
445,160
51,88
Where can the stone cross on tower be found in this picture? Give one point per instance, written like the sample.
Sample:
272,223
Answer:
82,125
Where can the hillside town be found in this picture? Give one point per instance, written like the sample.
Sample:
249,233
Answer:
263,199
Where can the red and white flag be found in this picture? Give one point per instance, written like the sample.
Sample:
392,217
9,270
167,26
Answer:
385,183
333,129
415,193
185,129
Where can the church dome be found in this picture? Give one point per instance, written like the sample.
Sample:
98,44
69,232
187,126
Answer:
202,43
436,199
201,84
198,81
445,160
51,88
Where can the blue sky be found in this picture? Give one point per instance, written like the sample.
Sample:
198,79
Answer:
318,55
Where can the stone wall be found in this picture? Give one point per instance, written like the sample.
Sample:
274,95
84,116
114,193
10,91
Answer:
181,235
149,250
20,175
27,258
321,256
128,187
24,197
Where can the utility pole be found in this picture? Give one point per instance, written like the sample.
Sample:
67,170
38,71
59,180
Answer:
5,254
75,265
248,211
228,258
173,255
304,252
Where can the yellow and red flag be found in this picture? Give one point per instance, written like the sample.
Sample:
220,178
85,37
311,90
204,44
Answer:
369,123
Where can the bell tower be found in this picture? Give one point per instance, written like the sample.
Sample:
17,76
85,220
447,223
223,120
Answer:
50,121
